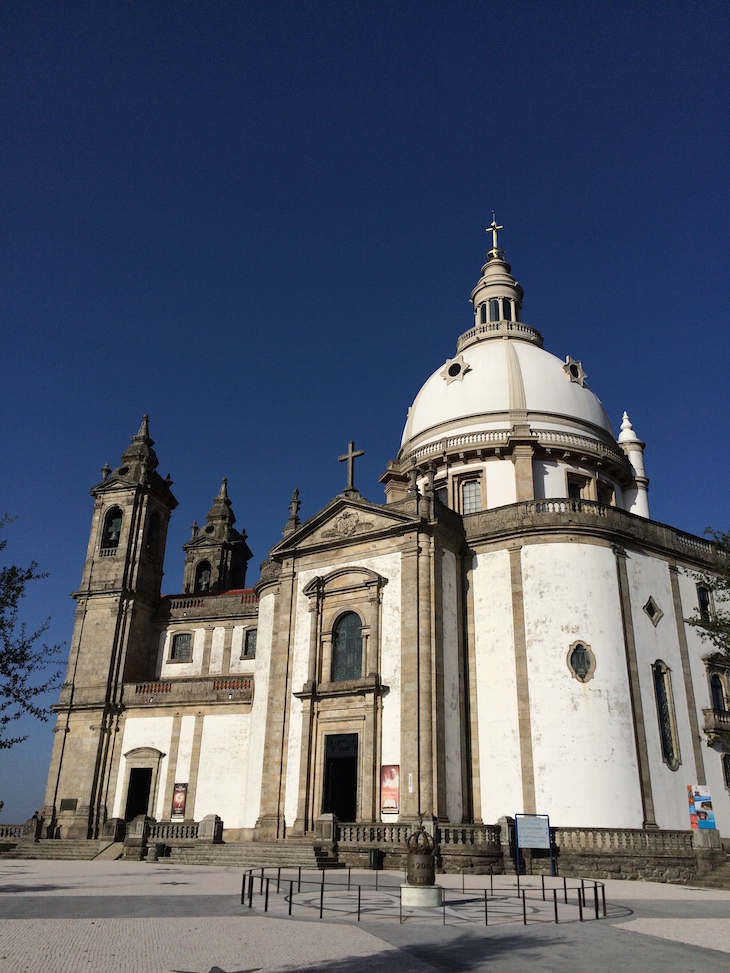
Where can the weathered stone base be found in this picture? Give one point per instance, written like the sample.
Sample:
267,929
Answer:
422,896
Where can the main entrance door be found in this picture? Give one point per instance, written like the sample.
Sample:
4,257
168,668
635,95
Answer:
340,776
138,793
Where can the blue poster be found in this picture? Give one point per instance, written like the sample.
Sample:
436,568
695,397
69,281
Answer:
701,814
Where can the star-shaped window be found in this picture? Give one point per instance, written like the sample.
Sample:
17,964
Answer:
574,370
454,370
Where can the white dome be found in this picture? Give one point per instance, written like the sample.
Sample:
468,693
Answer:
500,375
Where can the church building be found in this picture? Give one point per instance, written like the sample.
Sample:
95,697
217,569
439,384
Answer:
506,633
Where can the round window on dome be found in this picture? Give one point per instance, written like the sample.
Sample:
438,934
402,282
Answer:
454,370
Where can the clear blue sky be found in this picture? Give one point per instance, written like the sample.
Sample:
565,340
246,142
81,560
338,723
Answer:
260,222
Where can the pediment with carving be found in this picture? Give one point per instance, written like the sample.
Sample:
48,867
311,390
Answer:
344,520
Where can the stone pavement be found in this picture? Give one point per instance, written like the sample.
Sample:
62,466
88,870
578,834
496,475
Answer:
108,917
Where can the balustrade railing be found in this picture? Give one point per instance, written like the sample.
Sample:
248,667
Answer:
172,831
484,835
622,841
13,830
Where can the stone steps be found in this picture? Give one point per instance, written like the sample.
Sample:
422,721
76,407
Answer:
719,878
254,854
58,849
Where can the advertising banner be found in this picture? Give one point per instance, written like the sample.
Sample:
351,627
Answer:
179,798
701,814
390,788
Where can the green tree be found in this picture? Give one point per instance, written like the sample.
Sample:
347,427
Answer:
27,667
714,624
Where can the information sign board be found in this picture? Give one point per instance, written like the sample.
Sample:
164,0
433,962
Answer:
533,830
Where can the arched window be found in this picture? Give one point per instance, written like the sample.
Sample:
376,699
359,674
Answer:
181,650
202,576
484,314
726,769
112,529
665,714
347,648
718,697
154,532
494,309
703,602
506,309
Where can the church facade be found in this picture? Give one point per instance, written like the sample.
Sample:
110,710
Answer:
506,633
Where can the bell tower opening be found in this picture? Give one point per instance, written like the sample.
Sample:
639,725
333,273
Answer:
340,776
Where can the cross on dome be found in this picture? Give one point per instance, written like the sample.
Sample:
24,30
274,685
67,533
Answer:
494,227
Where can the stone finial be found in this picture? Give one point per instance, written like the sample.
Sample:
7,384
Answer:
194,528
294,508
105,471
223,492
627,434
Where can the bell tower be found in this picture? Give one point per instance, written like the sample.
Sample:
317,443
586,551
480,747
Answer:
217,555
111,644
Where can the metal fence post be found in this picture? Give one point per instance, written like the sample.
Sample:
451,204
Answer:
486,909
603,896
359,888
266,897
555,903
524,909
580,905
291,894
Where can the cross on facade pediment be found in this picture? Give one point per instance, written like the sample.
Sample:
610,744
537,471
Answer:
350,456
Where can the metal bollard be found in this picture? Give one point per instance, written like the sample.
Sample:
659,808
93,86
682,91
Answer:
261,883
299,880
555,903
486,909
266,897
565,889
443,905
595,897
348,879
583,890
358,902
580,905
542,877
603,896
524,909
278,879
243,889
291,894
321,899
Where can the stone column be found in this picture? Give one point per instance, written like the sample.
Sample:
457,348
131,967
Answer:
372,663
425,679
409,750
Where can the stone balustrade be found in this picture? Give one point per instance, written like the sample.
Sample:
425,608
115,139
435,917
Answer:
588,516
204,689
622,841
13,831
716,725
372,834
472,835
172,831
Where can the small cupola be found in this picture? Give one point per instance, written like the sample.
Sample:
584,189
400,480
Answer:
497,300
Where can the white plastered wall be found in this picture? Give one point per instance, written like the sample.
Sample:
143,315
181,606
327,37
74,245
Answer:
584,754
222,767
145,731
452,708
216,650
649,577
389,566
496,687
500,483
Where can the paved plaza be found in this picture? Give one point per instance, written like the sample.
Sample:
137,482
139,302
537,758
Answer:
140,917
